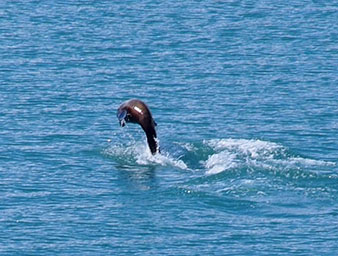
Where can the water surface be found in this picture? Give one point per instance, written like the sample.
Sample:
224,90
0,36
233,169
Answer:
245,97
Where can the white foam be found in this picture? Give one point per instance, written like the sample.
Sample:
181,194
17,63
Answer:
310,162
140,153
145,157
227,154
251,148
188,146
220,162
232,153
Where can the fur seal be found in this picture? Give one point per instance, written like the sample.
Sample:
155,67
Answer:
136,111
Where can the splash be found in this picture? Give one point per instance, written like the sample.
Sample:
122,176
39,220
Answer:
231,153
216,156
138,153
220,162
250,148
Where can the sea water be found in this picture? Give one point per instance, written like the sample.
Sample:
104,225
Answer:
245,96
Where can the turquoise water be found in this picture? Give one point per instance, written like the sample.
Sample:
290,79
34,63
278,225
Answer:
245,96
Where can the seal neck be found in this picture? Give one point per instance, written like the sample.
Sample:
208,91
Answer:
152,143
151,138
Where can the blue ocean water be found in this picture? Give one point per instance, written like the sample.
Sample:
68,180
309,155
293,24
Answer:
245,96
